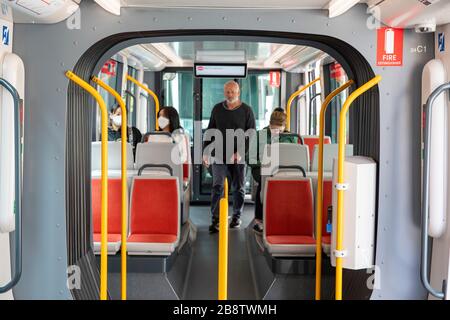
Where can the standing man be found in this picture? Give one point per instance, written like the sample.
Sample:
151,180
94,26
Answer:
229,115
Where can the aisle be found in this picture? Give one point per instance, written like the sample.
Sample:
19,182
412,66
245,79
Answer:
202,283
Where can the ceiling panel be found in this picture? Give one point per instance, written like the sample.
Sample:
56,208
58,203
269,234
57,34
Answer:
394,13
255,51
408,13
258,55
231,4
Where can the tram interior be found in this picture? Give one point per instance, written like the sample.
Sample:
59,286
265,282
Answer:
274,70
105,108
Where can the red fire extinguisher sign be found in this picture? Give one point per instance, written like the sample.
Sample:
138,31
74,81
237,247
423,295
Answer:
389,47
274,79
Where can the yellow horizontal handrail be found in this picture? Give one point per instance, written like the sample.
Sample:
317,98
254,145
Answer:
291,98
223,244
340,180
104,182
319,196
150,92
124,183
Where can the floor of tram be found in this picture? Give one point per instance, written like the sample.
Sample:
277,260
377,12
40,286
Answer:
202,282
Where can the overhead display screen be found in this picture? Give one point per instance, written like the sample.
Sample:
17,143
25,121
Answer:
220,70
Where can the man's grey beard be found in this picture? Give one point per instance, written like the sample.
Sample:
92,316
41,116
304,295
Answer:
233,101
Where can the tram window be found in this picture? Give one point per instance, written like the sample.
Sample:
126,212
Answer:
177,92
212,93
109,75
130,98
314,101
255,91
261,96
337,78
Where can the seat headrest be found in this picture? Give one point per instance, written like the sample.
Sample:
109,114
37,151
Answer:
160,153
330,152
286,154
158,137
114,155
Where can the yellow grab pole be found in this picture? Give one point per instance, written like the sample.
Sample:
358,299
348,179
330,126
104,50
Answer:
150,92
319,196
340,186
124,183
223,244
225,189
291,98
104,215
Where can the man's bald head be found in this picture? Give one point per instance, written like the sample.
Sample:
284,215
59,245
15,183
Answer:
231,91
231,84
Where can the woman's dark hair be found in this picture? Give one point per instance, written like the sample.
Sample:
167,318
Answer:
278,109
115,108
174,118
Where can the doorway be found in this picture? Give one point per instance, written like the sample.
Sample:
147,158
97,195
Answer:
194,98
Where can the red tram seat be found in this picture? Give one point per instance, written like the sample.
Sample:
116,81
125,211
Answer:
114,214
186,175
186,164
155,216
284,154
289,216
157,153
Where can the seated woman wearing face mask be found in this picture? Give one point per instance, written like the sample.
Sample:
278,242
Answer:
169,121
277,125
114,130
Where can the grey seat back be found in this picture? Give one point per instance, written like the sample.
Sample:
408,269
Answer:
330,152
159,137
286,154
166,153
114,156
283,154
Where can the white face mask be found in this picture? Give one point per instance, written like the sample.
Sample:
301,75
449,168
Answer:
163,122
117,120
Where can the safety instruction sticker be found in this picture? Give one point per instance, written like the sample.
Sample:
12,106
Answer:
389,47
274,79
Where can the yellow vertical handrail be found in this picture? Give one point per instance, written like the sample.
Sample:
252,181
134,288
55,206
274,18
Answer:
319,195
340,186
150,92
292,97
104,182
124,183
223,244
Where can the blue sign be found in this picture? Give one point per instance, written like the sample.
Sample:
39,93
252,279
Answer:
5,35
441,42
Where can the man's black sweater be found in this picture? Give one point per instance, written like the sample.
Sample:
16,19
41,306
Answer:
223,118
